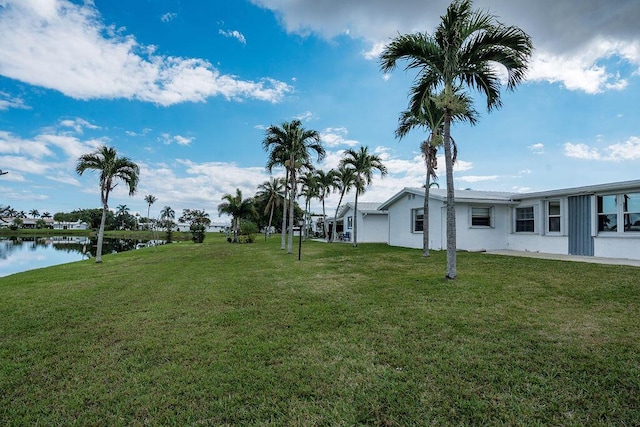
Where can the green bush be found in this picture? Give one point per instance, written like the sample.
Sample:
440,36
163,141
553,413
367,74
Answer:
197,233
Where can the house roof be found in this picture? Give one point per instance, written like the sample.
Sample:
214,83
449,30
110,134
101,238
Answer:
576,191
465,196
364,207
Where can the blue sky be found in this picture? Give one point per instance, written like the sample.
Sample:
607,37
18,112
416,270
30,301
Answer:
186,89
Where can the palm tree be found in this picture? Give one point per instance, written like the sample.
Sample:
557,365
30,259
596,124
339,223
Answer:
428,115
327,183
290,145
462,53
308,189
150,199
112,168
363,165
121,212
237,208
272,192
46,215
167,215
34,213
346,178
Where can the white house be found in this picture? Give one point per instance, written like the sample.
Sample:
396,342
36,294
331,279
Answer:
372,223
598,220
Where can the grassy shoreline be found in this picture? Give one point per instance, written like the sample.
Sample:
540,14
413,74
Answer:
225,334
124,234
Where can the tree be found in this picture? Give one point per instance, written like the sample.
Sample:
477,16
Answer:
237,208
198,221
112,168
46,215
150,199
122,212
34,213
308,189
290,145
363,165
462,54
167,215
428,115
271,192
346,181
327,183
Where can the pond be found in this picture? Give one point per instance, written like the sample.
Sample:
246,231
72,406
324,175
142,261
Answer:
28,253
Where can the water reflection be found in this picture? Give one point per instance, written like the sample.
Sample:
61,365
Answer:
27,253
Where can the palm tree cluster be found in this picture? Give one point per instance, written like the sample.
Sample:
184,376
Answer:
463,53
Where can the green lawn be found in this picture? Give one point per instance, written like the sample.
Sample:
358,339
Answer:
225,334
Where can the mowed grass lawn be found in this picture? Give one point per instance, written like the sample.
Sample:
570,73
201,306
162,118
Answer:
224,334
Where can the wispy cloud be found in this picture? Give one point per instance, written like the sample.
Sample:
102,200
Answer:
169,16
234,34
67,47
334,137
621,151
537,148
179,139
7,101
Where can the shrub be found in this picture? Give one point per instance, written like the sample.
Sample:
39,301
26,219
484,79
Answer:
197,232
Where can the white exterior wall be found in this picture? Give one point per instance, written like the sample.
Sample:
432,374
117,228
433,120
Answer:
470,238
617,247
400,223
373,228
531,242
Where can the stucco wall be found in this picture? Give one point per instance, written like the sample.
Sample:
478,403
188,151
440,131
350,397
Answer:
617,247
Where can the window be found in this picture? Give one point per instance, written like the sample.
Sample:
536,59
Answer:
631,211
349,222
607,213
525,220
553,216
481,217
417,220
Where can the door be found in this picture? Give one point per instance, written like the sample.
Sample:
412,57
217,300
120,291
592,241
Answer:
580,239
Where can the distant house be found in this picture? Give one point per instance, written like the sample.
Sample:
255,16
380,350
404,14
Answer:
78,225
597,220
373,226
213,227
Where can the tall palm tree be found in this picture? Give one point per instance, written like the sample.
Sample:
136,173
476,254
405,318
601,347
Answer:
429,116
237,208
363,165
462,53
346,180
290,145
34,213
150,199
272,192
46,215
112,168
327,183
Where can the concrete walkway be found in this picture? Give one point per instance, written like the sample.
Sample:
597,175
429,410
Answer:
592,259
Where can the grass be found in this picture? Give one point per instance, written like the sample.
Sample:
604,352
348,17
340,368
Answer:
124,234
225,334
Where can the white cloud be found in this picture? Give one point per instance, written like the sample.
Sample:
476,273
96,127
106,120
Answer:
627,150
234,34
537,148
7,101
304,117
63,46
179,139
169,16
78,124
477,178
333,137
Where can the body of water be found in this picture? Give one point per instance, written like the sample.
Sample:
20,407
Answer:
27,253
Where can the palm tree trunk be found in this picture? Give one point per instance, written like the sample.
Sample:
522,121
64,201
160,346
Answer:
335,218
324,220
268,232
105,207
291,210
451,208
425,220
355,218
284,212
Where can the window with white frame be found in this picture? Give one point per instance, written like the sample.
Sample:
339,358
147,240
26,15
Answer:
481,217
631,212
525,221
417,220
349,222
553,216
608,213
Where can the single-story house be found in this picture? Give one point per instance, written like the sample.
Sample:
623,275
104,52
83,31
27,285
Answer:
597,220
372,223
